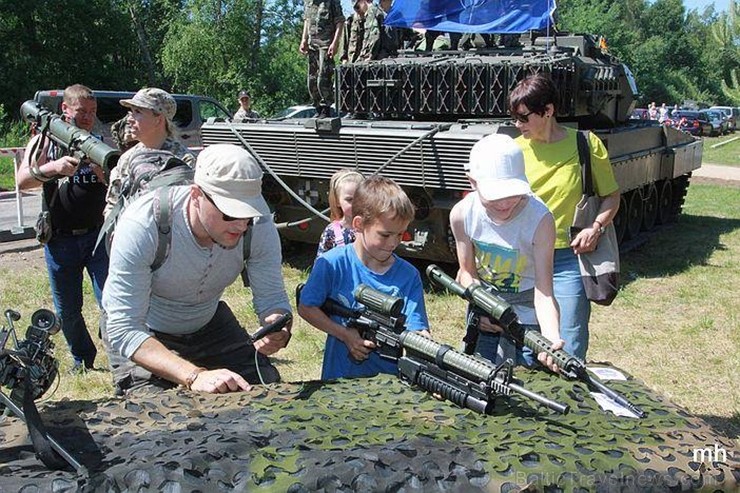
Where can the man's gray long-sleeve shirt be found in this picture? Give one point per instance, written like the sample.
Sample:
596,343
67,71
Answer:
182,295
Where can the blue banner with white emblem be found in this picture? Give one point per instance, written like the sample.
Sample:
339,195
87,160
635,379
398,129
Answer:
472,16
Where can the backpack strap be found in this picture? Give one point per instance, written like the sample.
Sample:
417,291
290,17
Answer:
247,251
584,155
163,220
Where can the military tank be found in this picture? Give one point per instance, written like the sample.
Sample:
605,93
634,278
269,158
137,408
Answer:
414,118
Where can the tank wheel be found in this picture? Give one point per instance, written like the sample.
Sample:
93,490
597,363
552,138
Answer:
650,208
620,220
665,202
634,214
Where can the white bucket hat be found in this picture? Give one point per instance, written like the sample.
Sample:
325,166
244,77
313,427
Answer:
497,166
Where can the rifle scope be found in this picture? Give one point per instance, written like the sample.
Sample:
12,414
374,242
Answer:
69,136
382,303
494,306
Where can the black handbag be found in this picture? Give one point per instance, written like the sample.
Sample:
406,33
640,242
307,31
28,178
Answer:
599,268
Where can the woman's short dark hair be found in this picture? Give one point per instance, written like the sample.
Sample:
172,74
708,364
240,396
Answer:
535,92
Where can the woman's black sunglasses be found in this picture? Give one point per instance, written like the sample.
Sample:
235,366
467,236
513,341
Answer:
521,118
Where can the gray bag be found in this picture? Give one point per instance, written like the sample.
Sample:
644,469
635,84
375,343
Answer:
43,227
600,268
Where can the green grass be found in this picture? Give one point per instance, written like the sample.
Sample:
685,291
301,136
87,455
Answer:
13,134
675,324
727,154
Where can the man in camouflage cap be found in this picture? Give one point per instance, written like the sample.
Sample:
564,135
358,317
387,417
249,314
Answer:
322,29
245,111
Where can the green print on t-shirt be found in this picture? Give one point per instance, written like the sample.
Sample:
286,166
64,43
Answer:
500,266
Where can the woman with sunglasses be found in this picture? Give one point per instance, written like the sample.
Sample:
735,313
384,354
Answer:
554,172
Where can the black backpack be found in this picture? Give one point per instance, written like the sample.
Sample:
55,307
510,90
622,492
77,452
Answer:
156,170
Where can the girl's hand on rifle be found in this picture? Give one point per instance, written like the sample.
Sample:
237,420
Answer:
486,325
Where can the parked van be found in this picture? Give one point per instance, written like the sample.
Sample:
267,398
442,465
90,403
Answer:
732,114
192,111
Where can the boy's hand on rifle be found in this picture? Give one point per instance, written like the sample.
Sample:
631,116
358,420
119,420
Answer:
359,348
548,360
486,325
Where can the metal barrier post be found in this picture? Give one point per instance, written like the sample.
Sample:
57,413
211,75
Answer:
18,197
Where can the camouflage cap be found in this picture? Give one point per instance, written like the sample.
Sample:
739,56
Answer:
154,99
243,94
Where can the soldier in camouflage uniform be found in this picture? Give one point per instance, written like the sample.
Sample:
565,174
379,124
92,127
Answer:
354,31
380,41
245,111
322,29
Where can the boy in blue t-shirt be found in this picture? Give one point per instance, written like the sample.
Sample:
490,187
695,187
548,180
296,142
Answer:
382,211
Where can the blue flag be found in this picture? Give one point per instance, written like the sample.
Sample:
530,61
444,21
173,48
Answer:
472,16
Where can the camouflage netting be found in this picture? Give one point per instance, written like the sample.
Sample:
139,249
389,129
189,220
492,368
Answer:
369,435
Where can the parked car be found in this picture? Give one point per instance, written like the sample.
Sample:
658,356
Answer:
301,111
192,111
720,122
693,122
732,114
639,114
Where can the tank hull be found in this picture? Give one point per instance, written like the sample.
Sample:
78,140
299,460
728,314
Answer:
651,163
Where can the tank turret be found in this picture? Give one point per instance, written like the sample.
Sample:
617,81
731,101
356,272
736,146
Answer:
596,90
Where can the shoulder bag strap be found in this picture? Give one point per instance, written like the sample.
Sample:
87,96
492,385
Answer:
584,155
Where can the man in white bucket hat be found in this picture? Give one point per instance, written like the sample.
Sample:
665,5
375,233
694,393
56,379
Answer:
170,320
504,236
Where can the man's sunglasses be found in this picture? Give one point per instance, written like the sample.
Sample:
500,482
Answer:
226,218
521,118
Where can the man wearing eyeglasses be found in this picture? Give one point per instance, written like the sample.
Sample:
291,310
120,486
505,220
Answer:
171,322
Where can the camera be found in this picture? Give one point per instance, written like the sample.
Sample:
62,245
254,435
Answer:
32,357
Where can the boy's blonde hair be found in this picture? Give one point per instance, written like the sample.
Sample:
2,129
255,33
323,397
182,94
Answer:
339,179
76,93
378,195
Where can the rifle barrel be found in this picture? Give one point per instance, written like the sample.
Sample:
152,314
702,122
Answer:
548,403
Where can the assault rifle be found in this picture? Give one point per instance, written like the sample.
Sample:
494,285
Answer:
80,143
468,381
499,310
381,321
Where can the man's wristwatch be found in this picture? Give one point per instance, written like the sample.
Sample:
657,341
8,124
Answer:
601,229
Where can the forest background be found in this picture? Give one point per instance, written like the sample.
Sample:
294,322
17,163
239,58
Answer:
217,47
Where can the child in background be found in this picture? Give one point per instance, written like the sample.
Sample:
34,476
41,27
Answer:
382,212
505,235
341,192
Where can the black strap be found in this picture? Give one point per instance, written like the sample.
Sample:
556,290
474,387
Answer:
163,219
584,155
37,430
